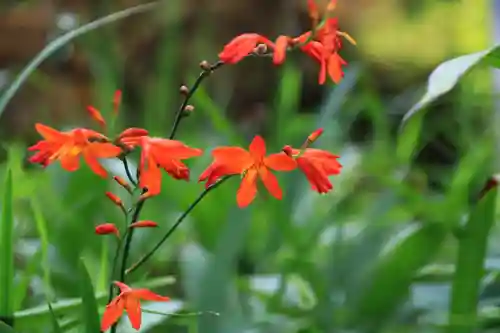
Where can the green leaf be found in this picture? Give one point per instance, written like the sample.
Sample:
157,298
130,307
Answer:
446,76
7,251
4,328
90,314
61,41
55,324
472,246
388,284
27,274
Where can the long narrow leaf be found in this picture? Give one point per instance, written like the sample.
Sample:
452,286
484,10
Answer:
469,270
63,40
90,313
7,252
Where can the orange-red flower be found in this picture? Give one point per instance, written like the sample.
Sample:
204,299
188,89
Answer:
317,165
68,146
129,300
251,165
161,153
241,46
144,224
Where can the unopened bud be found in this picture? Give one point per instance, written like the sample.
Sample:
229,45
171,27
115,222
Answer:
117,100
133,132
261,49
116,200
288,150
184,90
205,66
315,135
144,224
96,115
188,110
106,229
123,183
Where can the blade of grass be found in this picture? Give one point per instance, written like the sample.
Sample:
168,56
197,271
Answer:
22,287
90,315
7,253
472,246
62,41
55,324
4,328
31,318
41,226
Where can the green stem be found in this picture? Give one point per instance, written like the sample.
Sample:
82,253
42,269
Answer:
174,227
204,74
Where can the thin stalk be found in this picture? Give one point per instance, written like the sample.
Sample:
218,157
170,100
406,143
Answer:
173,228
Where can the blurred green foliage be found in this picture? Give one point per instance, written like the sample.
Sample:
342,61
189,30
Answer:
383,252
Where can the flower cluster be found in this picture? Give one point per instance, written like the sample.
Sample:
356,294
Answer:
322,43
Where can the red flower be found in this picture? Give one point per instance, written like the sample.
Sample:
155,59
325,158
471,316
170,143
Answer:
130,300
317,165
107,228
241,46
251,165
161,153
68,146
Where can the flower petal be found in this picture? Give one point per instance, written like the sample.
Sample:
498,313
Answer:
258,147
271,183
280,49
49,133
103,150
280,162
93,164
235,159
112,313
123,287
317,178
70,160
150,177
248,188
148,295
133,308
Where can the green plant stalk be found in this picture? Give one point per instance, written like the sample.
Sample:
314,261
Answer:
173,228
7,253
472,246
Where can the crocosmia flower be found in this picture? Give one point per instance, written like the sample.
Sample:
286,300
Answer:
129,300
241,46
160,153
252,165
67,147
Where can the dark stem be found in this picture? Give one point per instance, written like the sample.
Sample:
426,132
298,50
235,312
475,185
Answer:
126,248
113,270
178,116
174,227
127,172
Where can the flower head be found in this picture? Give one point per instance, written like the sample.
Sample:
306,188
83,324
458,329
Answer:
161,153
107,228
129,300
67,147
241,46
251,164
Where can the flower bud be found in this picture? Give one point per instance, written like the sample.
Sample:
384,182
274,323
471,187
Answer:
188,110
107,228
123,183
287,150
205,66
144,224
315,135
184,90
261,49
96,115
133,132
117,99
115,199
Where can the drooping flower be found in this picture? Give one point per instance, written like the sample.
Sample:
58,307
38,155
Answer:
161,153
316,164
251,165
129,300
67,147
241,46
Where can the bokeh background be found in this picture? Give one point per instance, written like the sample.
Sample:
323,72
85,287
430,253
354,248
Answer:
309,263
